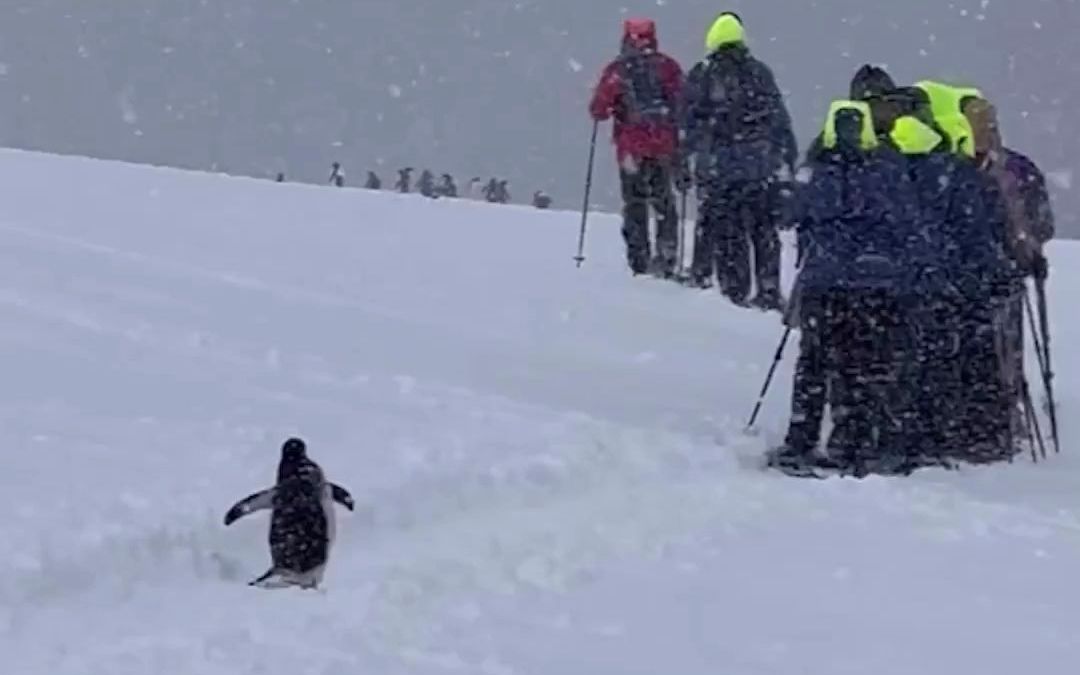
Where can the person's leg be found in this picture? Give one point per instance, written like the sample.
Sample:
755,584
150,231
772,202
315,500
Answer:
635,228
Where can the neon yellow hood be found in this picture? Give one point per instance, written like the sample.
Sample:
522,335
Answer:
945,105
914,137
726,30
867,139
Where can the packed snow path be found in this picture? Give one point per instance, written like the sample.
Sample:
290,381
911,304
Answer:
549,462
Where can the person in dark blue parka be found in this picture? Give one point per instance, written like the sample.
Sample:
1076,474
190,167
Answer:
738,132
956,264
856,214
872,85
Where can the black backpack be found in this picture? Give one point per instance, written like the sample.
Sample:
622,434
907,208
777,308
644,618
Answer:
644,99
741,111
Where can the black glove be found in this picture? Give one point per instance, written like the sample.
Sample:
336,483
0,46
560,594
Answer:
1004,286
1040,267
782,204
683,179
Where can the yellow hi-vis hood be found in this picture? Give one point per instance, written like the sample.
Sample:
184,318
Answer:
914,137
946,106
726,30
867,139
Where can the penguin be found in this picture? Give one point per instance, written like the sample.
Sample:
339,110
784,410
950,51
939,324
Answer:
447,187
337,175
301,519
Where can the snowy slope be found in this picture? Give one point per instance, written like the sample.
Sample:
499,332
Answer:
548,461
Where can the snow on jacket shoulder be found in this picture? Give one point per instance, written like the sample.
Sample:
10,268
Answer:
639,139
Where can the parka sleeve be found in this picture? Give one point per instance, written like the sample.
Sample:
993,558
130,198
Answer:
783,133
606,95
695,116
1037,206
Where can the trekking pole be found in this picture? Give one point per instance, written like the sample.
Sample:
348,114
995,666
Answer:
1044,368
1048,374
1034,429
1036,340
769,378
1041,356
682,237
580,257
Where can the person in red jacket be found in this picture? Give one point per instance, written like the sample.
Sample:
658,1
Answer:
641,90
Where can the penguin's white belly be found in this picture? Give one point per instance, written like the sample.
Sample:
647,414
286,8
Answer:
326,500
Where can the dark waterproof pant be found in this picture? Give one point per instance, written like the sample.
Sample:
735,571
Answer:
986,412
733,217
1010,336
810,386
940,426
965,406
649,186
869,347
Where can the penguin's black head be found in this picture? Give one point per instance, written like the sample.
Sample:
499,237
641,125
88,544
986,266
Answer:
294,449
293,458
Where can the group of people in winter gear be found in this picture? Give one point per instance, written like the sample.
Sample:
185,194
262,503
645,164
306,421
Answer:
723,128
917,230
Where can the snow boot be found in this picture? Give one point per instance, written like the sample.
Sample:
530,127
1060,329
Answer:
661,268
769,300
799,463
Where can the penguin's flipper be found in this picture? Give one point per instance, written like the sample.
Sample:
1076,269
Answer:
272,579
261,580
275,578
342,496
263,499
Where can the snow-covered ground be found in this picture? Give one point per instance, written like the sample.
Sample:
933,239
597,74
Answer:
549,462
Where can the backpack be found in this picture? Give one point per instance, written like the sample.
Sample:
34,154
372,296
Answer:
741,110
644,98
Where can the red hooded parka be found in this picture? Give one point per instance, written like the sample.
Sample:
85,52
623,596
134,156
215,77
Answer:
639,139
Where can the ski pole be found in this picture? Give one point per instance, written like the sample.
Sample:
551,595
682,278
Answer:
1048,374
1041,353
682,236
1041,356
580,257
1034,429
1036,340
769,378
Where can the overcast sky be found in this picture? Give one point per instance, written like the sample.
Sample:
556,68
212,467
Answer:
479,87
